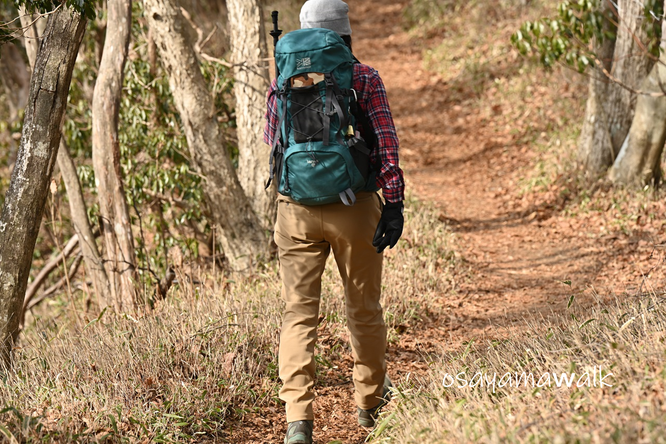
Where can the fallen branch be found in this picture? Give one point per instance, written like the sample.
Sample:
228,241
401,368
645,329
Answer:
73,268
51,265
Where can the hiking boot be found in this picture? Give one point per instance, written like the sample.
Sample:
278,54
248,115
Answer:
367,418
299,432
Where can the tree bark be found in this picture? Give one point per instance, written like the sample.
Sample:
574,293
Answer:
249,52
15,78
25,199
630,66
595,149
638,163
241,235
610,107
120,254
78,209
77,205
33,27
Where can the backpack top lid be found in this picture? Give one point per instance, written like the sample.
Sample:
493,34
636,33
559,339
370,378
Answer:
310,50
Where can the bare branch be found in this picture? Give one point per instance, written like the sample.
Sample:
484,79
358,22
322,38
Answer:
21,30
55,287
618,82
184,205
48,269
207,39
201,42
613,79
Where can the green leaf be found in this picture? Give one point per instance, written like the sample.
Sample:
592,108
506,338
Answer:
586,322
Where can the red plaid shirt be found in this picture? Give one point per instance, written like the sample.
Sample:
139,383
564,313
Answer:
372,98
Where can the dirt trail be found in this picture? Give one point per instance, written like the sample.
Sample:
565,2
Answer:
519,253
516,264
516,254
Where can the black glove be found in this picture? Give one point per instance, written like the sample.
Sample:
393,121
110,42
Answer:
389,227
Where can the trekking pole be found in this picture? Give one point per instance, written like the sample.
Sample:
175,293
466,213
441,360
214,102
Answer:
275,33
276,147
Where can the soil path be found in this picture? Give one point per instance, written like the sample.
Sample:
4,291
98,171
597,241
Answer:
516,254
519,253
516,261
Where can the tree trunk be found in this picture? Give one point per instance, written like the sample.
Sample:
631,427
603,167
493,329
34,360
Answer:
77,204
241,236
248,52
638,163
610,107
34,28
595,149
24,202
120,255
15,78
630,66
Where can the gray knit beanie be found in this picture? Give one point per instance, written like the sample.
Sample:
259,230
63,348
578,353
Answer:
329,14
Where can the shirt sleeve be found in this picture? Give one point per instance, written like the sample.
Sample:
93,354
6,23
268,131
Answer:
271,115
375,104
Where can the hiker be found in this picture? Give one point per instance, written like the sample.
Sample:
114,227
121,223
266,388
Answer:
357,227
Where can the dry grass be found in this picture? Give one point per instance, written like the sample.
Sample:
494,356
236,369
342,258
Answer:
470,50
625,340
203,357
171,374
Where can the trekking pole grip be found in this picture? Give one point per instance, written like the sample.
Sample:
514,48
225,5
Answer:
275,33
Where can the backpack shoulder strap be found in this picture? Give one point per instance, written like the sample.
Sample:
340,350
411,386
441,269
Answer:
362,118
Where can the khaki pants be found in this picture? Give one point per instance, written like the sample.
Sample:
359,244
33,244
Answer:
305,235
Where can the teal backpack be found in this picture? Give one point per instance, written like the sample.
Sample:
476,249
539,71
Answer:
318,154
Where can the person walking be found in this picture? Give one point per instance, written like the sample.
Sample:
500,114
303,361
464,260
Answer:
357,235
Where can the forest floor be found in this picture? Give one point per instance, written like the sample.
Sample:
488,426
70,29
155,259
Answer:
523,254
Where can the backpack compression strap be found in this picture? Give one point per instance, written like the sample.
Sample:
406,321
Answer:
333,97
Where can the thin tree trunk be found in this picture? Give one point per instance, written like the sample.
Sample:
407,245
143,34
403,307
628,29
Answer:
24,202
241,236
15,78
249,52
120,257
638,163
77,204
33,27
